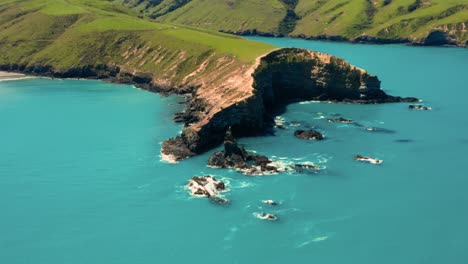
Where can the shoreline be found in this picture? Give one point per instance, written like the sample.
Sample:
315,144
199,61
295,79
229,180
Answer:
366,40
5,76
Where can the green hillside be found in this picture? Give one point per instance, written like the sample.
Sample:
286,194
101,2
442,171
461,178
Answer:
375,20
63,35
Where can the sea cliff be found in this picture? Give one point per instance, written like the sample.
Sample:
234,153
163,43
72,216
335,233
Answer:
282,76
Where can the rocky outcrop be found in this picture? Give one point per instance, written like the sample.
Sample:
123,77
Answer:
277,79
207,186
368,159
340,120
303,168
238,158
309,134
419,107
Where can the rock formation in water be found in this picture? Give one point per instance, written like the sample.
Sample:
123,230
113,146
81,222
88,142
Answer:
340,120
236,157
207,186
368,159
419,107
309,134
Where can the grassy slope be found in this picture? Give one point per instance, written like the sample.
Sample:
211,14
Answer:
354,18
347,18
230,15
73,33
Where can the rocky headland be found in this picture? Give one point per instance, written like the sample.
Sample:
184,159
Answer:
247,103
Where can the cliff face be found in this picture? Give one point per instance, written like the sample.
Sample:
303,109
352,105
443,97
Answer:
281,77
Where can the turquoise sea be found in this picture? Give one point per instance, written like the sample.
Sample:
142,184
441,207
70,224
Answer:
81,179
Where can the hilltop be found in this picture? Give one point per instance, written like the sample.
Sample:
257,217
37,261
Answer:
426,22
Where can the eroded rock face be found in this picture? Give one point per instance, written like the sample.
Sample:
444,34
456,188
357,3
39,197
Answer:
283,76
309,134
440,38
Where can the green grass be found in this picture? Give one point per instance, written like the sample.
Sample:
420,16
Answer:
65,34
229,15
348,18
119,23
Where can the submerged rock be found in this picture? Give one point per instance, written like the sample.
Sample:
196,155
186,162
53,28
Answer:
340,120
419,107
269,217
368,159
309,134
238,158
207,186
281,127
270,202
300,168
380,130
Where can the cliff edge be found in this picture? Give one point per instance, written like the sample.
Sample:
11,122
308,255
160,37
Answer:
246,101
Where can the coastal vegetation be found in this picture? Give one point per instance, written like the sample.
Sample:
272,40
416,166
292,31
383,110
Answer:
66,34
381,21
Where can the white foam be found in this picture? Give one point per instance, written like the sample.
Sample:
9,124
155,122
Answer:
263,216
309,102
314,240
279,120
244,184
318,239
168,158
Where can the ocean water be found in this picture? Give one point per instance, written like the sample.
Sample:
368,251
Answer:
81,177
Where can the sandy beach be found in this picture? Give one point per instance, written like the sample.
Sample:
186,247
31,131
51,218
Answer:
10,75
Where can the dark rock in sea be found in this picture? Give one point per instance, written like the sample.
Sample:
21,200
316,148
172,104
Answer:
340,120
308,134
419,107
238,158
270,202
301,168
281,127
403,140
265,216
368,159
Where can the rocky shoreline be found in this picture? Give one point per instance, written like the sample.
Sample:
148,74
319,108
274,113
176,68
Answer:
435,38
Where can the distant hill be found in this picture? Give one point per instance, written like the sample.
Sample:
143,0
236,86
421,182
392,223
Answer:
380,21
